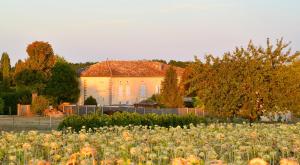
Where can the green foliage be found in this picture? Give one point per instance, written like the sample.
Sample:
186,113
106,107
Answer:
170,95
198,103
39,104
78,66
193,102
181,64
60,59
90,101
248,82
125,119
10,102
63,85
32,80
2,104
156,98
24,96
5,71
37,67
11,99
159,60
187,80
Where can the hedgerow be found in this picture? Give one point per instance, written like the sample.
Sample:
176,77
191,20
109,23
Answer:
93,121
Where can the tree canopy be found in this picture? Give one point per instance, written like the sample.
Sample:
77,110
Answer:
181,64
248,82
41,56
5,70
33,80
170,95
37,66
63,85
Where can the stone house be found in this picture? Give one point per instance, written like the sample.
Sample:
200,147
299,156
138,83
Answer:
122,82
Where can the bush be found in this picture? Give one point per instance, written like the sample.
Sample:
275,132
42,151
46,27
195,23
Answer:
10,103
90,101
39,104
24,96
124,119
1,106
11,99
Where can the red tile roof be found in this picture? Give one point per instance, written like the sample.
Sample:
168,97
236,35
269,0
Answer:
128,69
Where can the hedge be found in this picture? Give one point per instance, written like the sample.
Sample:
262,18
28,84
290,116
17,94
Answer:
11,99
125,118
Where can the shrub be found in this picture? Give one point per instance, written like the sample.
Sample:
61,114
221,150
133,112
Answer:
39,104
10,103
24,96
124,119
1,106
90,101
11,99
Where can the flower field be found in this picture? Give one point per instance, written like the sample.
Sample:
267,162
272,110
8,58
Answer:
227,143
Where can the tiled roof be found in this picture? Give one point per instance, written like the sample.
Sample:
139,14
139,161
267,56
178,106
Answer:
128,69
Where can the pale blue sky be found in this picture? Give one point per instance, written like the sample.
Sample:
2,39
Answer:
93,30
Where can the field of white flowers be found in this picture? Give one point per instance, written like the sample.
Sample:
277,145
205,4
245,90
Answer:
234,144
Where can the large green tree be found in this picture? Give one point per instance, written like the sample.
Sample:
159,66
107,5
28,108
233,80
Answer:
41,56
5,70
32,80
37,66
63,85
186,83
170,95
248,82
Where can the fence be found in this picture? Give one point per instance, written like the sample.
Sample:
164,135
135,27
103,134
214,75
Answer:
79,110
15,123
91,109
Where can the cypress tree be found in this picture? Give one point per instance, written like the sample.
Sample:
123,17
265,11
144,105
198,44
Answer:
5,69
170,94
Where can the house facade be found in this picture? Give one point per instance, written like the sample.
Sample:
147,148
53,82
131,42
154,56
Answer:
122,82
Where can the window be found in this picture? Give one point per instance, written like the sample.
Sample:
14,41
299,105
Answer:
120,90
143,90
127,89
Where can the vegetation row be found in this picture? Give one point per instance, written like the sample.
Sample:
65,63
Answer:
124,119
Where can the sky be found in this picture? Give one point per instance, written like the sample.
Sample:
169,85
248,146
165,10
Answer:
95,30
